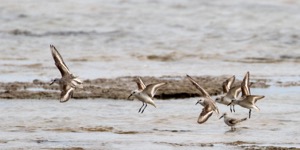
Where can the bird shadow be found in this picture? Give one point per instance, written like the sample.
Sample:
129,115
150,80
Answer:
236,130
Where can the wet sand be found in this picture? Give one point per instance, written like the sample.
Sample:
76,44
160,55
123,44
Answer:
118,88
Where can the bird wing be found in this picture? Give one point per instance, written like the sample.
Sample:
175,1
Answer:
204,115
151,89
245,85
76,82
140,84
228,83
234,92
203,92
66,94
254,98
59,62
211,105
233,121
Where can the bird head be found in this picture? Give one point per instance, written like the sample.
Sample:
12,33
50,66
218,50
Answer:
132,93
200,101
56,80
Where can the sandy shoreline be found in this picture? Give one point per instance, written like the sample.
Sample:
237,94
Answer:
116,88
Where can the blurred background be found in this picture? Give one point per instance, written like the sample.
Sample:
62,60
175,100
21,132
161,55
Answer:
99,38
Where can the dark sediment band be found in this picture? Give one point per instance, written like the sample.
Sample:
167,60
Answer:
117,88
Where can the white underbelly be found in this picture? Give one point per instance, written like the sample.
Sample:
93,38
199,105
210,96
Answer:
145,98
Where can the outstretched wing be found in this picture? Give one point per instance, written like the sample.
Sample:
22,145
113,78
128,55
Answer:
203,92
66,93
234,92
152,88
228,83
59,62
245,85
140,84
204,115
254,98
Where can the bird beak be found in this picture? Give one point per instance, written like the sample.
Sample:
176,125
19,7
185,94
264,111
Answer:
129,96
52,82
197,103
221,116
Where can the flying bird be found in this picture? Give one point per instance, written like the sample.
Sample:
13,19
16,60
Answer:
206,101
247,100
68,82
145,93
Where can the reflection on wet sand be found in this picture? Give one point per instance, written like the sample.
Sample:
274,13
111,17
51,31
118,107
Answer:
109,124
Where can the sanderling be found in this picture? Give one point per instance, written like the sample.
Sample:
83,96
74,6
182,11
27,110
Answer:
68,82
247,100
229,92
145,93
231,121
206,101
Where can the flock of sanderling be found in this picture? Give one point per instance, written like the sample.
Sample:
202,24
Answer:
145,93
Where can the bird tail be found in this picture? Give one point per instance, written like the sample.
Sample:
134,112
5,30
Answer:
152,103
244,119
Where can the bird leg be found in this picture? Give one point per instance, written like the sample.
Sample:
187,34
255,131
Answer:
249,113
232,128
141,107
233,108
144,108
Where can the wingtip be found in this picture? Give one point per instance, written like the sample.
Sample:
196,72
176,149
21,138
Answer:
52,47
153,104
63,101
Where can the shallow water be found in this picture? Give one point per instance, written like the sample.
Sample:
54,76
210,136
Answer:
109,124
115,38
150,38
